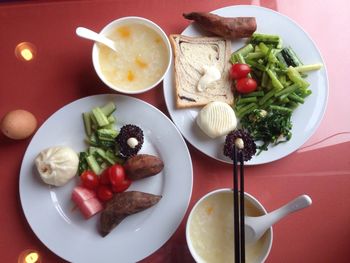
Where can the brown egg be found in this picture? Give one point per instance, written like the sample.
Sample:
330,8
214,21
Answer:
18,124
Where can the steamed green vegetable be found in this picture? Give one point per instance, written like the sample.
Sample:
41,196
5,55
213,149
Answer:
282,87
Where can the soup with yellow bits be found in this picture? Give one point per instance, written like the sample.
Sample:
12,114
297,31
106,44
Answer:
141,60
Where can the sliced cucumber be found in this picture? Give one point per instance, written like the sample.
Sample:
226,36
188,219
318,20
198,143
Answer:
108,109
100,117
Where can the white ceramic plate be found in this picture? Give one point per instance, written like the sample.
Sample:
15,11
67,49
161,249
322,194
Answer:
305,119
63,230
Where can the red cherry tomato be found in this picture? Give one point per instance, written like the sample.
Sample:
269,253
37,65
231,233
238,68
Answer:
121,187
104,177
89,179
239,71
104,193
246,85
116,174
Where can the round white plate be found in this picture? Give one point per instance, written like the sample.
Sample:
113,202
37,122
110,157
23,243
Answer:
306,118
49,210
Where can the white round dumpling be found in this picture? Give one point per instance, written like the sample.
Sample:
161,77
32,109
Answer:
57,165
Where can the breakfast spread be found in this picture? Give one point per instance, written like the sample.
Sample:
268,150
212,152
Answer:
216,119
18,124
201,70
57,165
227,27
141,59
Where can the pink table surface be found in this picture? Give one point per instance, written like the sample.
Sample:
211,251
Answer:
63,72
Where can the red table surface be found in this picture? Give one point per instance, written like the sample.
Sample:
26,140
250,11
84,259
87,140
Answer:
62,72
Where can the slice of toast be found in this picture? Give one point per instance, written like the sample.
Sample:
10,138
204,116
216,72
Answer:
191,54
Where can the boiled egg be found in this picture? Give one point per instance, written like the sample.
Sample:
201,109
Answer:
18,124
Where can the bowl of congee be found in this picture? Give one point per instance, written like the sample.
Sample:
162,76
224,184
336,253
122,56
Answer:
142,56
210,229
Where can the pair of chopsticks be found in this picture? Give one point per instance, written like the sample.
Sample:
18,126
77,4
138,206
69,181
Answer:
238,206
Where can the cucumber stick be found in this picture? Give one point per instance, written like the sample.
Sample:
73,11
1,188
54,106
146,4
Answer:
93,164
100,117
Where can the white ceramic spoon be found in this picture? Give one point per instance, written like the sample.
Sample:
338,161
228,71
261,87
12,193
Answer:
89,34
255,227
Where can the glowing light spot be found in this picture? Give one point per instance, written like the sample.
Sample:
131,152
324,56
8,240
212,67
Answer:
32,258
27,54
25,51
29,256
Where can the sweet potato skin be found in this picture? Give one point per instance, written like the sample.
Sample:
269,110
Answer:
227,27
142,166
122,205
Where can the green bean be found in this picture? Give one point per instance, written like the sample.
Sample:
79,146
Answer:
296,98
287,90
275,82
246,100
245,108
247,111
259,93
267,96
255,55
280,108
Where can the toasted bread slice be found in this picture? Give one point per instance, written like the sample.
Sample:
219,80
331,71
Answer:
191,54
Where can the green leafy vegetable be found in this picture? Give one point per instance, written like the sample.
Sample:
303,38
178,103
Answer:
270,127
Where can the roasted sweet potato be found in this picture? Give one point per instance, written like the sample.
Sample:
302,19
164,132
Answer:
227,27
143,165
123,205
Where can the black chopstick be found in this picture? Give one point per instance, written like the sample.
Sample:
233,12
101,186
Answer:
242,212
238,207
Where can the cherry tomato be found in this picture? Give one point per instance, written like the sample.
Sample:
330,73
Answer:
104,193
89,179
121,187
116,174
246,85
239,71
104,177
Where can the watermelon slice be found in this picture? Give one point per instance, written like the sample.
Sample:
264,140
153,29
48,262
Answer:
87,201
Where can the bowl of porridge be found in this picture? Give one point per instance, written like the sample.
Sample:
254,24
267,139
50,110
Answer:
142,58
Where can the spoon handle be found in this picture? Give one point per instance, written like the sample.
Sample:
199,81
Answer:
298,203
91,35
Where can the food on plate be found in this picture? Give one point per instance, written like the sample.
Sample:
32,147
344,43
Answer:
101,132
18,124
211,229
141,60
216,119
244,143
280,85
130,140
246,85
269,127
227,27
143,165
57,165
117,178
123,205
197,62
239,70
89,180
87,201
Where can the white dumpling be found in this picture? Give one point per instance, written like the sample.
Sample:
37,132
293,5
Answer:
57,165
